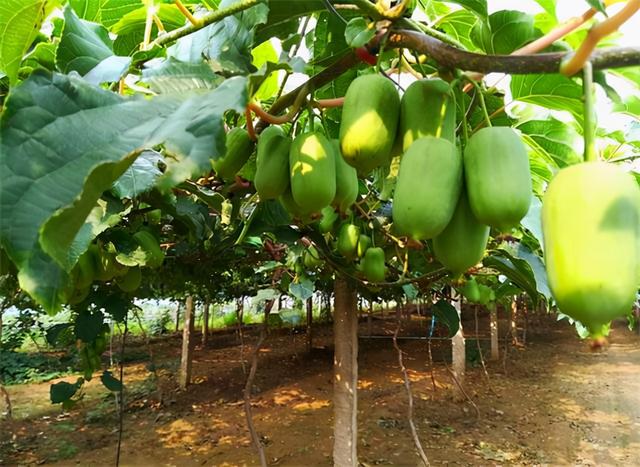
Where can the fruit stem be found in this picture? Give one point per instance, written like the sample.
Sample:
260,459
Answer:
465,124
589,114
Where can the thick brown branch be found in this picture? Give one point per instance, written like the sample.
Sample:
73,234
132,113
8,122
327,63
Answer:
325,76
452,57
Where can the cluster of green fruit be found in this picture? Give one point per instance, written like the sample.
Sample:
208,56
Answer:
440,194
101,264
306,173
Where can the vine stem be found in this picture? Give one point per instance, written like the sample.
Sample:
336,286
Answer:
121,392
464,393
596,34
452,57
590,119
249,384
184,10
407,386
204,21
484,367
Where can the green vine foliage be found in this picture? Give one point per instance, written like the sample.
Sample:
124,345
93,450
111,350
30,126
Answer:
108,130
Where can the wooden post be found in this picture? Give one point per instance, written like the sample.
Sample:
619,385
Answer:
309,323
205,323
458,356
187,345
178,317
514,320
525,315
345,375
493,324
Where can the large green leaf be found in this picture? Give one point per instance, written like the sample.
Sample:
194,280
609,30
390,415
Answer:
598,5
61,392
458,24
173,76
88,9
479,7
83,44
517,270
556,138
134,20
141,176
114,10
555,92
359,32
538,269
630,106
548,5
303,289
227,43
130,27
111,382
434,9
446,313
503,32
284,16
42,56
264,57
19,23
51,179
533,220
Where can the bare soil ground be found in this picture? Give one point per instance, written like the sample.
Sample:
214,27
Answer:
550,402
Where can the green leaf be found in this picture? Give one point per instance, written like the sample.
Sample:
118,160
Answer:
43,56
504,32
358,32
54,331
446,313
598,5
516,270
44,204
538,269
554,92
110,382
83,44
134,21
556,138
548,5
114,10
410,291
141,176
106,214
173,76
533,220
302,289
630,106
226,43
130,27
631,74
109,70
88,325
284,16
459,24
479,7
62,392
89,10
265,56
19,23
434,9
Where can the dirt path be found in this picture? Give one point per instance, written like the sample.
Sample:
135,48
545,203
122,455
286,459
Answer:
553,403
600,399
